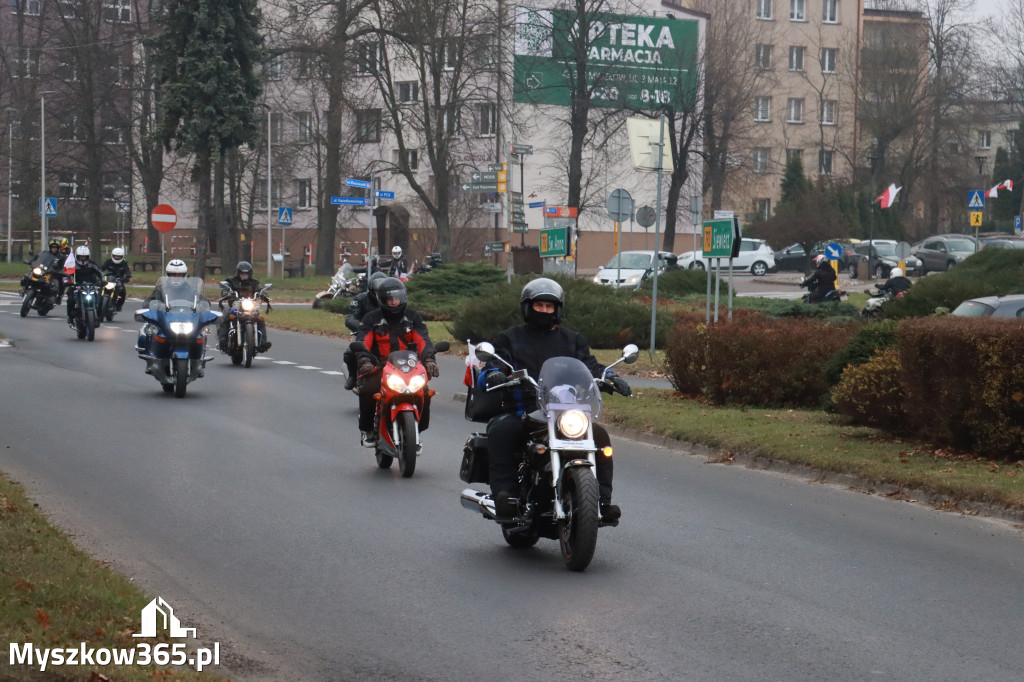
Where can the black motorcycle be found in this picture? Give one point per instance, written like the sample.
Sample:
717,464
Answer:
87,315
111,297
244,315
39,290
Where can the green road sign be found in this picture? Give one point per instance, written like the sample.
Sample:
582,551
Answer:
718,236
482,176
554,242
480,186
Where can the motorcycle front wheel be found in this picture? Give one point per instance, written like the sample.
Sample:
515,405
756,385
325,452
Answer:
90,325
180,377
406,444
577,533
248,344
26,305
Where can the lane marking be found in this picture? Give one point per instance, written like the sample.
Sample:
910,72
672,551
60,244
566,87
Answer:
283,362
331,372
306,367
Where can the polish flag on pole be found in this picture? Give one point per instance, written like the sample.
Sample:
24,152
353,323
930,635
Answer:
994,192
889,195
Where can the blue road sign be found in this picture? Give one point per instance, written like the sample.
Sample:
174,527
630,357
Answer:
350,201
284,216
352,182
48,207
537,204
976,199
382,194
1016,223
833,251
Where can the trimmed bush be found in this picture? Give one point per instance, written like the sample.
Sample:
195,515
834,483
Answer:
754,360
870,392
680,284
868,339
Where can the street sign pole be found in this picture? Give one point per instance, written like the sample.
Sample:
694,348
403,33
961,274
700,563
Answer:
369,239
657,226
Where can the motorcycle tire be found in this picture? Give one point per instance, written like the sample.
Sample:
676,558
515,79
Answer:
80,328
383,461
168,388
248,344
180,377
26,305
406,444
90,325
45,307
520,540
577,533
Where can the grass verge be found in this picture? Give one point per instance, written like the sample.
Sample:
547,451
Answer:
54,595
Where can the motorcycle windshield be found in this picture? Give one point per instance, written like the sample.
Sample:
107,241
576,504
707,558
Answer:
183,294
567,381
404,360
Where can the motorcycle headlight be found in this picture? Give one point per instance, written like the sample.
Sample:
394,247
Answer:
573,424
109,285
38,272
248,304
417,382
182,327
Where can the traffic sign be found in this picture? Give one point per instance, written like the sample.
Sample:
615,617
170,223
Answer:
537,204
554,242
833,251
284,216
976,199
1016,224
561,212
350,201
645,216
163,217
480,176
620,205
522,148
495,167
494,247
480,187
976,218
718,236
520,228
353,182
491,207
384,194
502,186
48,207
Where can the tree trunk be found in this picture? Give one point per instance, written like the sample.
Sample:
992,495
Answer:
205,217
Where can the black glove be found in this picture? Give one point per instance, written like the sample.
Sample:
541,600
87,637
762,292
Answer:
495,378
619,384
431,368
365,367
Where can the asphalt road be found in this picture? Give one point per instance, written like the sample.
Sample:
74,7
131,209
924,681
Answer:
249,506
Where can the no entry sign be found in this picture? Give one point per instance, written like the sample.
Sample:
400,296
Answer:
163,217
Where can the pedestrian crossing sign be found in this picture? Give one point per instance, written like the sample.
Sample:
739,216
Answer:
284,216
48,207
976,199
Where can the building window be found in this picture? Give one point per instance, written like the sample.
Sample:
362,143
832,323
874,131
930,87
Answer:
764,9
761,160
304,188
275,193
71,185
70,129
407,159
796,58
797,154
984,139
369,55
452,52
763,57
491,50
302,66
763,109
67,72
305,121
452,121
117,11
795,110
797,10
26,63
981,164
368,124
828,59
276,128
828,112
830,11
409,91
488,120
113,135
69,9
825,162
115,187
27,7
762,209
275,67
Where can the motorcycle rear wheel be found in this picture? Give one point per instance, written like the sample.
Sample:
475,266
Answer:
577,534
26,305
406,444
383,461
180,377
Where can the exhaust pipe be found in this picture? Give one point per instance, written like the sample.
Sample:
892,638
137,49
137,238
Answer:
474,500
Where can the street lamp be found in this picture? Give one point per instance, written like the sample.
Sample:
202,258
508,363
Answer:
269,209
42,166
10,178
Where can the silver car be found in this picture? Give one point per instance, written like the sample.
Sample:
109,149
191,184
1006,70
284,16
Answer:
630,269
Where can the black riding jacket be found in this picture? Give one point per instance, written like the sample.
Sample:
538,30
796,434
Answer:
88,272
361,305
824,278
121,271
895,285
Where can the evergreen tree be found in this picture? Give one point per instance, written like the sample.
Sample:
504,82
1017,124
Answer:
794,182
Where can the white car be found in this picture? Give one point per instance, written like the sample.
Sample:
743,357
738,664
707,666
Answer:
755,257
629,269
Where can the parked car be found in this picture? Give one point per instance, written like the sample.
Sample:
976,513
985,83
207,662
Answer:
992,306
629,269
884,257
793,257
939,254
1001,243
755,257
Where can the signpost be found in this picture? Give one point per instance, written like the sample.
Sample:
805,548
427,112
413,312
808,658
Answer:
383,194
620,207
350,201
284,216
495,247
362,184
554,242
163,218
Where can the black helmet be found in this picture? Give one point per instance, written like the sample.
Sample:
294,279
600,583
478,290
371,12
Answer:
243,267
542,289
375,279
392,297
672,258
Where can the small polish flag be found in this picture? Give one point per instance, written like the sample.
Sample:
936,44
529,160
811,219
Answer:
889,195
994,192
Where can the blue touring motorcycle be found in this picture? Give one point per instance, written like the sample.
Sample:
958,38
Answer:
173,342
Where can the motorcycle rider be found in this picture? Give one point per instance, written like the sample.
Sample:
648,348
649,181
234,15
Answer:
896,284
245,285
45,260
822,281
672,263
399,265
527,346
393,326
86,270
176,271
361,305
117,267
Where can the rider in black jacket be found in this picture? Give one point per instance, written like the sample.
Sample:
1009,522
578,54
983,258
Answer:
822,281
362,305
116,266
86,270
527,347
245,285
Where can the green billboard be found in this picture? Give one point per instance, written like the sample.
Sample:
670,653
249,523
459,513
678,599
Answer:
642,63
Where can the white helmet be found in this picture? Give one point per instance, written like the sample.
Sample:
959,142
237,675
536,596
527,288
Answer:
117,255
176,268
396,252
819,259
82,252
896,272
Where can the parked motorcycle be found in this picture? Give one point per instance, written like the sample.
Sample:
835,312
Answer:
834,296
432,261
559,496
345,282
173,343
111,297
403,391
39,290
873,307
87,315
244,335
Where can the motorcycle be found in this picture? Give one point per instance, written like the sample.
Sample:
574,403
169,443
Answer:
403,390
345,282
833,296
87,316
244,336
111,297
175,347
559,495
39,290
873,307
433,260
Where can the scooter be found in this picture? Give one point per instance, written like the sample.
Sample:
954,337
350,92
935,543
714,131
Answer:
834,296
873,307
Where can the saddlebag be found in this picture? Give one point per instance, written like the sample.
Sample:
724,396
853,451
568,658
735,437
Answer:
474,467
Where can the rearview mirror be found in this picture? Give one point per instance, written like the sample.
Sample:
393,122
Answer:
269,286
630,353
140,315
484,351
442,346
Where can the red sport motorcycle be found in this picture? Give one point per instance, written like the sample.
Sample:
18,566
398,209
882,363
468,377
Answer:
403,392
